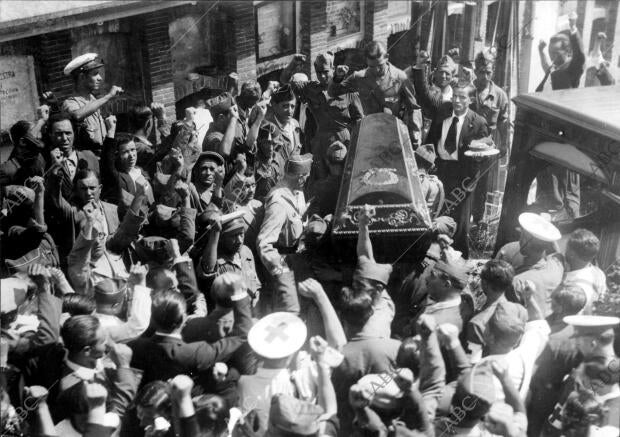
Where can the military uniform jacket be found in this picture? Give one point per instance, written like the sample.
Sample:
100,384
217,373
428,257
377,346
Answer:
282,226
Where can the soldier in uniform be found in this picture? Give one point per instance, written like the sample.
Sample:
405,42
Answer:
491,102
83,106
334,116
282,229
382,88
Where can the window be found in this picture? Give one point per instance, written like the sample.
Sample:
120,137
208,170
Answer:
275,29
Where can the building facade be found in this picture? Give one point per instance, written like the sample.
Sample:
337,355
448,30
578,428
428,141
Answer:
175,52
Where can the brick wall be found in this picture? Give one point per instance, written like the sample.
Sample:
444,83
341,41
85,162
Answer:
317,31
244,31
158,62
54,56
380,21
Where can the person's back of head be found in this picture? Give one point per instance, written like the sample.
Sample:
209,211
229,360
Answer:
79,332
168,310
497,276
506,327
139,117
224,286
355,309
160,279
18,130
212,413
567,300
582,247
78,304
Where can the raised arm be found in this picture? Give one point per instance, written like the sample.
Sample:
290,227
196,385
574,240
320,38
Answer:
334,332
80,113
364,245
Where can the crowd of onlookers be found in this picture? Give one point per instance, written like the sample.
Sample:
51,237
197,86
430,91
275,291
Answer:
180,278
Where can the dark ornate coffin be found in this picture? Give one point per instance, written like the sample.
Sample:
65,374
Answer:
381,172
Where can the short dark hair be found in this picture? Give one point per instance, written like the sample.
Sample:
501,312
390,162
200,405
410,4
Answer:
168,310
18,130
584,243
57,117
139,115
498,275
122,138
78,304
250,89
374,50
469,89
83,173
570,297
355,307
79,332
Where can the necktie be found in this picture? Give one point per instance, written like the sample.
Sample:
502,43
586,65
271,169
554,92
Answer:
450,143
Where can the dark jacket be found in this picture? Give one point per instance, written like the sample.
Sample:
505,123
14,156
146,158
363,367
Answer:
162,357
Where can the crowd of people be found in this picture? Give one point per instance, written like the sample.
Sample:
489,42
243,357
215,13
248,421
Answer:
179,279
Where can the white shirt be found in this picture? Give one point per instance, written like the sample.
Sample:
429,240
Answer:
203,120
444,133
137,322
520,361
592,281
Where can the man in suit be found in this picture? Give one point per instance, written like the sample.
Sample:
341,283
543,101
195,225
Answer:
452,131
165,354
71,218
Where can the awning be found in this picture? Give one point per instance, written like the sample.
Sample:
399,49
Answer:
570,157
23,19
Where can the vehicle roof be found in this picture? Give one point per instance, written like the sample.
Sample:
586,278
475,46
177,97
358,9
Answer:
593,108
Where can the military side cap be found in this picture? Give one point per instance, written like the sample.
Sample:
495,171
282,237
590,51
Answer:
210,156
455,269
538,227
291,416
584,325
324,61
107,292
299,78
12,294
336,152
427,153
509,317
283,94
445,225
277,335
220,104
299,165
85,62
367,269
235,225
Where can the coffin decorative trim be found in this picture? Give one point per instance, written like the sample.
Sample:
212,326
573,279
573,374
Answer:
381,171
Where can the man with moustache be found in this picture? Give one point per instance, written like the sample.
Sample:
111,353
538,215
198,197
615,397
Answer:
335,117
84,107
382,88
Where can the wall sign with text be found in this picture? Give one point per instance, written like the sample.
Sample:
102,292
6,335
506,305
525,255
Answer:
18,90
275,29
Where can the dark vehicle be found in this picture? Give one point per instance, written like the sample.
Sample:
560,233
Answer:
565,161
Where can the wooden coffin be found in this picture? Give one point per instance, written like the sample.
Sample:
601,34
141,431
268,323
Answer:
381,172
